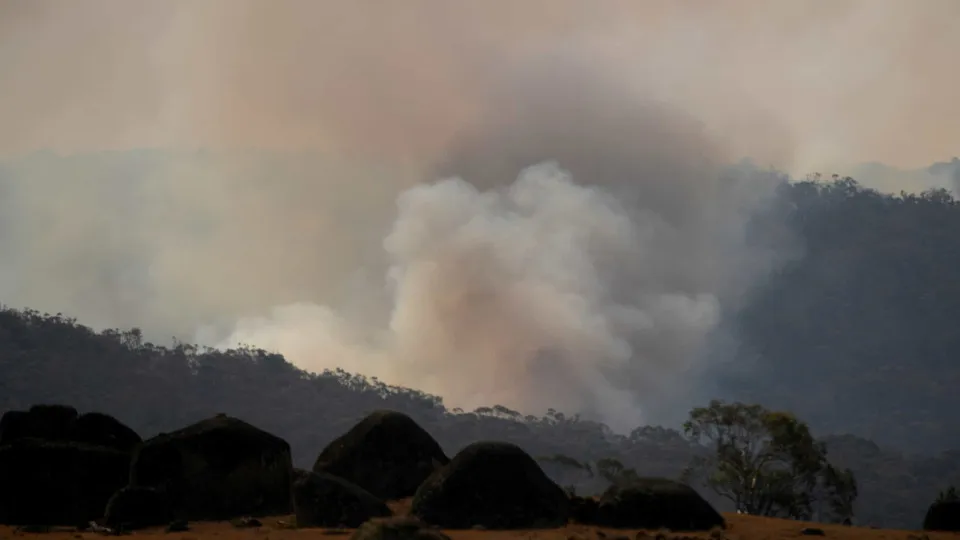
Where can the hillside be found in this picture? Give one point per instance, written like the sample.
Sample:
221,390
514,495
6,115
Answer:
859,335
855,336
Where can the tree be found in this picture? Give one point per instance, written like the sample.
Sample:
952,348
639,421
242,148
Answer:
610,469
839,488
615,472
765,462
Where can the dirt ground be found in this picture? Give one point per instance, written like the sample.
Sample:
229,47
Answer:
276,528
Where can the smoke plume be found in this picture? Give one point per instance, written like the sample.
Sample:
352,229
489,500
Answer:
590,282
518,203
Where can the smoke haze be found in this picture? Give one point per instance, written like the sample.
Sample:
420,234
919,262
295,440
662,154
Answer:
527,203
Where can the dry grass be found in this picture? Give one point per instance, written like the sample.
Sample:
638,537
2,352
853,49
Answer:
738,528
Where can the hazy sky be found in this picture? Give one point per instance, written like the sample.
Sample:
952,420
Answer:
798,83
498,201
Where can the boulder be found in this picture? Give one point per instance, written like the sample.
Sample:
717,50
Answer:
62,423
943,516
137,507
387,454
495,485
217,469
46,422
583,509
653,503
324,500
104,430
58,482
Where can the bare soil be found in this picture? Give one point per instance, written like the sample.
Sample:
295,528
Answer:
277,528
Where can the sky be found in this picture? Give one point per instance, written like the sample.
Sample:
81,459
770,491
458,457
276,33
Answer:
798,84
519,203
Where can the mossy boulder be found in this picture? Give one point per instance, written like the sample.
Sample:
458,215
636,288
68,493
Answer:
45,422
943,516
219,468
495,485
63,423
324,500
386,453
58,482
653,503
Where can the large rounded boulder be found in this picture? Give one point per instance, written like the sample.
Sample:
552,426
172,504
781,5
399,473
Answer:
63,423
652,503
324,500
58,467
104,430
58,482
218,468
943,516
45,422
491,484
386,453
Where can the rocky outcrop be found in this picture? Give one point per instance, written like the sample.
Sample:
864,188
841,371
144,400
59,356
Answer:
58,482
943,516
58,467
652,503
218,468
495,485
324,500
387,454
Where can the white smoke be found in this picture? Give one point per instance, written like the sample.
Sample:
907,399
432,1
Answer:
510,296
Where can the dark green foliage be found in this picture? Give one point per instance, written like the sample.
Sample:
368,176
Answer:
324,500
943,516
386,453
608,471
218,468
858,335
653,503
615,472
493,484
766,462
58,482
840,490
137,507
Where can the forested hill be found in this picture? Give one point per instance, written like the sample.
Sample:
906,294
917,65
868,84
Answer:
856,336
860,335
